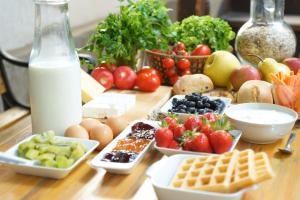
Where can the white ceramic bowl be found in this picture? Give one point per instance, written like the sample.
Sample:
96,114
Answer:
261,131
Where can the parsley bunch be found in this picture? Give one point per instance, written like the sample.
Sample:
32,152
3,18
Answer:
143,24
214,32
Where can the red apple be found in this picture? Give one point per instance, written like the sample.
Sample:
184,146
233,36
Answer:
245,73
293,64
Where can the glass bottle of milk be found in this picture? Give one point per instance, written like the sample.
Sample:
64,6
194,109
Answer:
54,70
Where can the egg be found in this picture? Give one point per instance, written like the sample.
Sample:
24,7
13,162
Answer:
103,134
89,123
117,124
77,131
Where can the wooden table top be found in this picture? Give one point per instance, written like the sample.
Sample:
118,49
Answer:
87,183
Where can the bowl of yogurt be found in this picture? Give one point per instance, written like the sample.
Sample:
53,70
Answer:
262,123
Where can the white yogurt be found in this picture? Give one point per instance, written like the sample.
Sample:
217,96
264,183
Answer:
261,116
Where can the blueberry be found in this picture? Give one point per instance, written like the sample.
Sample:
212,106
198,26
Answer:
200,104
192,104
191,110
182,106
175,100
204,99
200,111
182,111
207,105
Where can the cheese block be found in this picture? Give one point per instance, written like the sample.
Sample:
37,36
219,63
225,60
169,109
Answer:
109,105
90,88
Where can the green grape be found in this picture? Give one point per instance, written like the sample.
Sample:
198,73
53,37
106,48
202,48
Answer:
46,156
32,154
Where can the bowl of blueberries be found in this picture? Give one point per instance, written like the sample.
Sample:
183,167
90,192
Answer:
195,103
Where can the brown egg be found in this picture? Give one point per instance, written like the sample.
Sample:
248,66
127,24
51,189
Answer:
89,123
77,131
117,124
103,134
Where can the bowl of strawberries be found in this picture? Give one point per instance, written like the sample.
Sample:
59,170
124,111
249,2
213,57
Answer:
205,135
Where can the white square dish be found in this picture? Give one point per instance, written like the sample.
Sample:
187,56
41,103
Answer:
50,172
169,152
168,105
161,173
122,168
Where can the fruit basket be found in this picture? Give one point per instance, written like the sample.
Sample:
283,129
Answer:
155,60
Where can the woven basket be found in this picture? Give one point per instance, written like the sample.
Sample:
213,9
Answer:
155,60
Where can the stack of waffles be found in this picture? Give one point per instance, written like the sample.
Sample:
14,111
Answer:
226,173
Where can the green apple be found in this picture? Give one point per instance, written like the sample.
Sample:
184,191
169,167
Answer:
219,67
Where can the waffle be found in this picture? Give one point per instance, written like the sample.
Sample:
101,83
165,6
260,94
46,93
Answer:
228,172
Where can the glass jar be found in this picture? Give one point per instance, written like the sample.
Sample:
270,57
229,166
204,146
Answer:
54,70
265,34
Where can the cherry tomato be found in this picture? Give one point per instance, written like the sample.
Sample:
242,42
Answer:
103,76
186,72
168,63
173,79
170,72
151,71
170,52
184,64
111,67
182,53
147,81
179,46
201,50
124,78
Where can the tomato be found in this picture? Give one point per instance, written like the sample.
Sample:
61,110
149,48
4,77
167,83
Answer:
168,63
173,79
151,71
182,53
147,81
201,50
103,76
186,72
170,52
184,64
179,46
111,67
192,123
124,77
170,72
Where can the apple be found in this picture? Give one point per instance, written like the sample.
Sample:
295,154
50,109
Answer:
245,73
219,66
293,64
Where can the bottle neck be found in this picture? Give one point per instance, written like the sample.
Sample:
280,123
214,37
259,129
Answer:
266,11
52,35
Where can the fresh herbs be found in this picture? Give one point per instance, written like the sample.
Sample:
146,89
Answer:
143,24
214,32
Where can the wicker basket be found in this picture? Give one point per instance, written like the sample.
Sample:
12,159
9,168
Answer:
155,60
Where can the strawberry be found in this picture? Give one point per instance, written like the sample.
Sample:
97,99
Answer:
221,141
200,143
206,129
173,145
212,117
178,131
163,137
171,122
192,123
188,145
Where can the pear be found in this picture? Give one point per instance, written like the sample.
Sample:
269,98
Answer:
219,66
270,66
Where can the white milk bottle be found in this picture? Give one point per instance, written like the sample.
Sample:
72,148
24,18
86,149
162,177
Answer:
54,70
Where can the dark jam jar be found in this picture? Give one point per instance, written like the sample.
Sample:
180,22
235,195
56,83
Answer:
120,156
142,130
